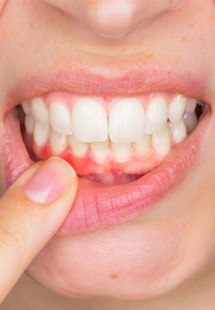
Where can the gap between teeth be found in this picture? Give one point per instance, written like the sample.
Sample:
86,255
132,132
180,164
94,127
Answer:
130,126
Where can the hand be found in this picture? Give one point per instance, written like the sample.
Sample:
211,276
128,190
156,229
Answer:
31,212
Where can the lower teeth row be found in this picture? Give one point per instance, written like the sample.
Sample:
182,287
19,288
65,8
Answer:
160,142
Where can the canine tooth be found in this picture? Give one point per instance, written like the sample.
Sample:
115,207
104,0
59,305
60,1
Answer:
26,107
59,118
126,121
121,151
29,124
178,131
156,115
143,146
176,108
162,141
58,143
41,134
79,149
39,111
191,105
89,121
191,121
100,150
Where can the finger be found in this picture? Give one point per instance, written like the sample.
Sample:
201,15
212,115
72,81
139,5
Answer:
31,212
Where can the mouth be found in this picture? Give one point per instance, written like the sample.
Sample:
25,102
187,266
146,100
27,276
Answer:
129,151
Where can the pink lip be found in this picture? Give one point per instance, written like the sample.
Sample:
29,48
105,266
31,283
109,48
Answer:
99,206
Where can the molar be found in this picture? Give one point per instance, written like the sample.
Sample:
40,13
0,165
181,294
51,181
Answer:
190,120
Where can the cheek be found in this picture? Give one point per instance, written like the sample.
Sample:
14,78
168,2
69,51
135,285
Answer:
131,263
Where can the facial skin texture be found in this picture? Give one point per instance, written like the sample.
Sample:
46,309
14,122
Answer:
168,252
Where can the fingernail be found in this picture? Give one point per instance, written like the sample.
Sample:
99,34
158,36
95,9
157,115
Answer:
48,183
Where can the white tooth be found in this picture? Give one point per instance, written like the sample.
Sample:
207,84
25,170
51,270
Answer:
156,115
143,146
41,134
26,105
176,108
58,143
79,149
121,151
191,121
100,150
29,124
89,121
191,105
59,118
178,131
162,141
126,121
39,111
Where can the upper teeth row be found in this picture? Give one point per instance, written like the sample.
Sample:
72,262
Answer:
127,121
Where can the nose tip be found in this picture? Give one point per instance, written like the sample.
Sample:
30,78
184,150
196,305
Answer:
112,18
116,18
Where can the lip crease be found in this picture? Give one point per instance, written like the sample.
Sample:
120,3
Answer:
99,206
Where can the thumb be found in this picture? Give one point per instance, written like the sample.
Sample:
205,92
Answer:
31,212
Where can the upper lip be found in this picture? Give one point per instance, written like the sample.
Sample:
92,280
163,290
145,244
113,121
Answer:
126,82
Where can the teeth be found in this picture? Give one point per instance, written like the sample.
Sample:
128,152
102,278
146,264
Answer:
190,120
79,149
191,105
39,111
126,121
89,121
132,128
178,131
26,107
58,143
162,141
29,124
59,118
176,108
100,150
142,147
156,115
121,151
41,134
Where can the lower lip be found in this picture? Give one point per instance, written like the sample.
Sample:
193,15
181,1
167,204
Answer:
101,206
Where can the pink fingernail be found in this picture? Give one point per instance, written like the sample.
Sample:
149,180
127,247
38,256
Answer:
47,184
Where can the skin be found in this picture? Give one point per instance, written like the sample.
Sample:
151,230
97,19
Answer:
162,258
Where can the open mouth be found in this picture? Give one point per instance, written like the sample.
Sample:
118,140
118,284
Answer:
108,140
128,151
